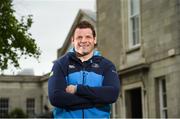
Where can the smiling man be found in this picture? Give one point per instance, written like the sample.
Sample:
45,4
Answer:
84,42
83,83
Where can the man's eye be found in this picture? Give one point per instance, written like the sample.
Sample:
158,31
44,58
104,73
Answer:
79,37
88,37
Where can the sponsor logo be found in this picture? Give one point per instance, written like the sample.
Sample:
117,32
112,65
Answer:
71,66
95,65
114,71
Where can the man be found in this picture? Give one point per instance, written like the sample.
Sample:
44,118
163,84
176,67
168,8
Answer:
83,84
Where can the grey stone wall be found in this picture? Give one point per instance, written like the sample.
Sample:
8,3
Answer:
109,29
160,35
160,28
160,49
18,88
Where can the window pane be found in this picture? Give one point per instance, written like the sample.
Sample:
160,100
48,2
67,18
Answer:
135,30
4,105
134,7
164,101
163,86
163,97
165,114
134,22
30,106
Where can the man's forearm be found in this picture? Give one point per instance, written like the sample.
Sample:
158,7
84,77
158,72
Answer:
67,100
103,95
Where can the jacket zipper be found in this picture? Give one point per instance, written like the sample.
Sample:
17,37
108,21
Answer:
83,84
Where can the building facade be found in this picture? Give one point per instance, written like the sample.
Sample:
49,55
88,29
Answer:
28,93
142,38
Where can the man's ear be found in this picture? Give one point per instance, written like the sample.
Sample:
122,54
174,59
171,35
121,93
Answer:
95,40
72,39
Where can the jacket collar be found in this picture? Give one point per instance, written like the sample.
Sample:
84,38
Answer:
95,58
95,52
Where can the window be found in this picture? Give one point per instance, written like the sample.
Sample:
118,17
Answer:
30,106
4,105
134,20
163,98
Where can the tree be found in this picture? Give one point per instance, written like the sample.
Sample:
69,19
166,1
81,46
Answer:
15,40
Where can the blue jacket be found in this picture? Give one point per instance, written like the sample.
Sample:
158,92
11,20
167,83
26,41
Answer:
97,87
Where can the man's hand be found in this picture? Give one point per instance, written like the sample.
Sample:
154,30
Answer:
71,89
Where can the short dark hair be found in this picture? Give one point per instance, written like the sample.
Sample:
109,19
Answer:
86,24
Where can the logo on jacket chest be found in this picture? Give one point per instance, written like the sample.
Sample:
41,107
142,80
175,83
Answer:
71,66
95,65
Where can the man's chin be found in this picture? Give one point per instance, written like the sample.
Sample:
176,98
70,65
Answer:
81,53
85,53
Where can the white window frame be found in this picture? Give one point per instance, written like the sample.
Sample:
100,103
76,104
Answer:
134,14
162,101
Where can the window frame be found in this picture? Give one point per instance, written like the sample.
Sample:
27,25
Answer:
162,101
134,43
30,106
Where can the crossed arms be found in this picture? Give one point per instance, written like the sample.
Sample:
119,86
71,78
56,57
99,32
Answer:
77,97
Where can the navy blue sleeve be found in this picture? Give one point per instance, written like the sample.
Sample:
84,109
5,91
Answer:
107,93
57,95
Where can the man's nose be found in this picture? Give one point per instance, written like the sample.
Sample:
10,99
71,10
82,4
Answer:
84,40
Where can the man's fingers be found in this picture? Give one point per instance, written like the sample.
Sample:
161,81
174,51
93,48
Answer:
70,89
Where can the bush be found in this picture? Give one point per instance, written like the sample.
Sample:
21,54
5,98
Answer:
17,113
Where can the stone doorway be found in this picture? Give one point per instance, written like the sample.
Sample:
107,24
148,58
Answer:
133,99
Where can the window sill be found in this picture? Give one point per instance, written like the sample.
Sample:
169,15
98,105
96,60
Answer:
133,49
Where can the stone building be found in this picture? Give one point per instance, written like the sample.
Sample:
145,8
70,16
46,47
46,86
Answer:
25,92
142,38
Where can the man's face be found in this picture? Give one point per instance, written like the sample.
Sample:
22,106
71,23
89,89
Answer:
83,41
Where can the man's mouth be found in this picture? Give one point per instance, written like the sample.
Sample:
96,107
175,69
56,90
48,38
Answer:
84,46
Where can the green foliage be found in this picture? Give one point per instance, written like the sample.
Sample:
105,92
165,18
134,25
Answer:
15,40
17,113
